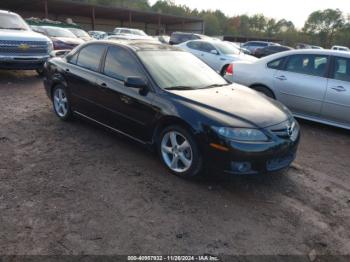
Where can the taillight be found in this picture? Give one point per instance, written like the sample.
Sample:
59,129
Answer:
229,70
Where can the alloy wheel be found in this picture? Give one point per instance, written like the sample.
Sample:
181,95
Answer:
60,102
176,152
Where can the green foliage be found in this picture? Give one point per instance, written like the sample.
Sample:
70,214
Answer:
326,24
323,27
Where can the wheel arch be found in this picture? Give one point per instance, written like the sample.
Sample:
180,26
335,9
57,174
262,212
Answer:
223,68
57,79
253,86
169,121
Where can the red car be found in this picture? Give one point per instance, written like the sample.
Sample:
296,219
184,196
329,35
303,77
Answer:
62,38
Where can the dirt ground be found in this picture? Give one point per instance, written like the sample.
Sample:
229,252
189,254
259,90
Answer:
74,188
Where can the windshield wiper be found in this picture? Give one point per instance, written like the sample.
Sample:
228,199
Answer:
179,88
13,28
215,85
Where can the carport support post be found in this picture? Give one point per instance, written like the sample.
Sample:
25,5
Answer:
130,19
46,9
93,18
159,24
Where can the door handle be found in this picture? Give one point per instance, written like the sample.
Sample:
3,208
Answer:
282,78
103,85
339,88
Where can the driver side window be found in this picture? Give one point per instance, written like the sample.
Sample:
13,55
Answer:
206,47
120,64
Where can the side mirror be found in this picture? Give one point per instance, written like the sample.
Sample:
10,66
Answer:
135,82
58,53
214,52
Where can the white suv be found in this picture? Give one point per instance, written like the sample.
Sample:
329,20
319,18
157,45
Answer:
20,47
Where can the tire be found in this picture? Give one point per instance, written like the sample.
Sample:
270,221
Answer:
188,163
264,90
61,103
223,70
40,72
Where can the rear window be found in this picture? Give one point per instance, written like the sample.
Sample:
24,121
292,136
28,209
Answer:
342,69
90,57
275,64
307,64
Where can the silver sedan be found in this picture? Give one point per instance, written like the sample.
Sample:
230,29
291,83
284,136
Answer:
313,84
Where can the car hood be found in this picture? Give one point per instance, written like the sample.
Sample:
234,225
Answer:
16,35
235,105
69,40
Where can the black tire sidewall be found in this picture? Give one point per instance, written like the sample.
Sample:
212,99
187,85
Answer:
68,116
197,163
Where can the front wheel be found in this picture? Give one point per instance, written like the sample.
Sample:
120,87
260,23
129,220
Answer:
179,152
40,71
61,103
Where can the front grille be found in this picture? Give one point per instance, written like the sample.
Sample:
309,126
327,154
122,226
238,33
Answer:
285,130
23,48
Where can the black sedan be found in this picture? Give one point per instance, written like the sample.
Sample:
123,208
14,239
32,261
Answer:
168,99
271,49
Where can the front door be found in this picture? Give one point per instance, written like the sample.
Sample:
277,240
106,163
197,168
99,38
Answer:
126,109
302,84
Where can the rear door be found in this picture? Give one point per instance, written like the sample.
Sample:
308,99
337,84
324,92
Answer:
336,105
80,73
302,84
126,109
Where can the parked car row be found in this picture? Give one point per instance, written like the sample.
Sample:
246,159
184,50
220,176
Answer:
174,98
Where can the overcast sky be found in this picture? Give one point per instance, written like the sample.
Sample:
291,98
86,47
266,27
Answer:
296,11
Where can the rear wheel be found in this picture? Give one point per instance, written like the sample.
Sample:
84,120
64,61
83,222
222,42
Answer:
262,89
179,152
61,103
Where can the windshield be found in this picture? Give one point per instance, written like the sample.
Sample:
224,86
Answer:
138,32
79,32
227,49
58,32
179,70
12,22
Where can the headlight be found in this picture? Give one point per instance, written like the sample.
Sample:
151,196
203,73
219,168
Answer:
241,134
49,47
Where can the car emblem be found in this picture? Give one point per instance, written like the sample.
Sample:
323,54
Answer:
24,47
290,129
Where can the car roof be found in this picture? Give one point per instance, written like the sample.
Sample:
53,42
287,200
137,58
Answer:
326,52
137,45
7,12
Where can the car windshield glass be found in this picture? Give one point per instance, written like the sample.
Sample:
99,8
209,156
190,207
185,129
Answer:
179,70
59,32
12,22
79,32
138,32
227,49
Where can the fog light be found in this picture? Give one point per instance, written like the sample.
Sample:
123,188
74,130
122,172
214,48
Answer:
241,167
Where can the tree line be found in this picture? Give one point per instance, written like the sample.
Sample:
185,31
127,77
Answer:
323,27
